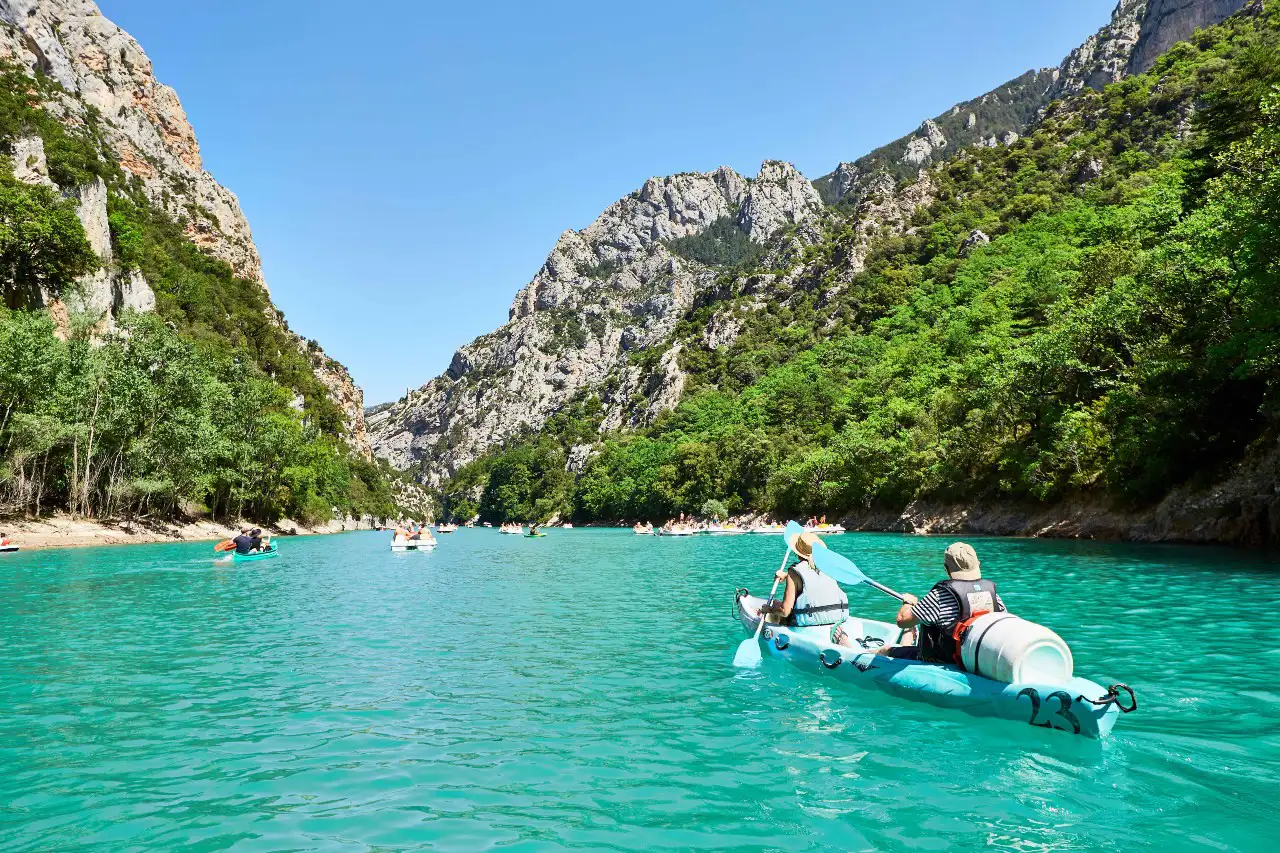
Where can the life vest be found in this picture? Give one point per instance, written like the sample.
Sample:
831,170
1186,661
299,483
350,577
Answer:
941,643
820,602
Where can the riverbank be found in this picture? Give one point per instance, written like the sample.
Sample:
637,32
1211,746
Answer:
65,531
1242,509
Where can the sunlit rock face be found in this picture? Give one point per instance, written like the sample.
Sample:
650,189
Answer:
1167,22
615,287
103,69
608,290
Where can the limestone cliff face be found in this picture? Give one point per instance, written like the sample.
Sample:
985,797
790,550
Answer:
605,291
1137,28
1000,116
103,69
1167,22
615,287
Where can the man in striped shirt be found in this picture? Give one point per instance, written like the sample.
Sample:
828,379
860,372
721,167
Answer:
951,602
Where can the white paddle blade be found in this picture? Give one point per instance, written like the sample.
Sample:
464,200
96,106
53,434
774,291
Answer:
748,654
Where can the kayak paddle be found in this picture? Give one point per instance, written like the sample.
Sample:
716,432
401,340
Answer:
748,654
844,571
224,545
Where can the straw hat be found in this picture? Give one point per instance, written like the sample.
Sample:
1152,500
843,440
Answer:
804,544
961,562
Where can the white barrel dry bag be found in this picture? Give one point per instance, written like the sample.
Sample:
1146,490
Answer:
1005,648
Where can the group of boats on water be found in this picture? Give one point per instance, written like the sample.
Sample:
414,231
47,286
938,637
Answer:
692,527
992,663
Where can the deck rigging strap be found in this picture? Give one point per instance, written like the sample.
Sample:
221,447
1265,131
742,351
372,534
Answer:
1113,695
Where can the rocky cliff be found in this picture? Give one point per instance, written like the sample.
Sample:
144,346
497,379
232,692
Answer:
108,80
999,116
608,297
614,288
1167,22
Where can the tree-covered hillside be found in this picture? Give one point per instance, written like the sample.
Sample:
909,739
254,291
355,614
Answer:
1117,337
207,404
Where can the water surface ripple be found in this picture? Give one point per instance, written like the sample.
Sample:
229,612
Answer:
574,692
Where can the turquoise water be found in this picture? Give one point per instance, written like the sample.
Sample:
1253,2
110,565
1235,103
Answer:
574,692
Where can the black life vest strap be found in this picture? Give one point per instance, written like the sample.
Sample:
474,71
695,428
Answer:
825,608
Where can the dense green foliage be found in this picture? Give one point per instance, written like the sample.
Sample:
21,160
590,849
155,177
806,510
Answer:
188,410
722,243
1119,336
42,243
145,423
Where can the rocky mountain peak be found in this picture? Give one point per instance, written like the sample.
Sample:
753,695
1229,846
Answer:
778,196
614,287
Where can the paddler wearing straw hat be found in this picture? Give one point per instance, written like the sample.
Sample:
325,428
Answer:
811,597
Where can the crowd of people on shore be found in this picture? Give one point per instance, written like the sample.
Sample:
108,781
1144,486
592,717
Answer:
686,525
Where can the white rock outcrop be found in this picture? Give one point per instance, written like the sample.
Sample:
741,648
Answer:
104,69
603,292
778,196
142,120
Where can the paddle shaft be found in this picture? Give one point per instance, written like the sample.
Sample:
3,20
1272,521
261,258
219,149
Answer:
776,580
869,582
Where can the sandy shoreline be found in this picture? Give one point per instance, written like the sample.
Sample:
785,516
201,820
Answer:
63,531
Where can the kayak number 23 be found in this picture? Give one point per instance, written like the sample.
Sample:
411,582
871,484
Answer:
1063,712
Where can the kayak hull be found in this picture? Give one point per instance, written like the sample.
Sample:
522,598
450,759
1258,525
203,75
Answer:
1064,707
8,549
250,558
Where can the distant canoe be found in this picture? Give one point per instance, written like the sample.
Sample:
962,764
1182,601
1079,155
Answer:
262,555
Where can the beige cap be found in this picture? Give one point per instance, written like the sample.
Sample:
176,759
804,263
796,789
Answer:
962,562
804,544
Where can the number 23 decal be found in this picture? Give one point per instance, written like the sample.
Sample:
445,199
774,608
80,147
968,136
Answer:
1063,712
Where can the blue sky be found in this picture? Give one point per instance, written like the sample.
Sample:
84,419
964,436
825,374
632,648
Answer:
406,166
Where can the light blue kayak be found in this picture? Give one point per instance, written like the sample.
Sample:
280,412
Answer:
264,555
1077,706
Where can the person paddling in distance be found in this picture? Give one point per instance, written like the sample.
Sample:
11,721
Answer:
811,597
244,542
946,611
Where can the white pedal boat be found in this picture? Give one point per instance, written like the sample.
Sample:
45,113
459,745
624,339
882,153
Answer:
1077,706
421,545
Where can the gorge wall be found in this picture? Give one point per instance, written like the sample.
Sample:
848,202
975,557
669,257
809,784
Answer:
617,289
106,78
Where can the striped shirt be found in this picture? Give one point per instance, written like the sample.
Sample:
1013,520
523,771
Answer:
940,608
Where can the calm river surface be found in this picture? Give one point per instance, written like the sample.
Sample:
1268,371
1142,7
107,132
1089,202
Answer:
575,692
